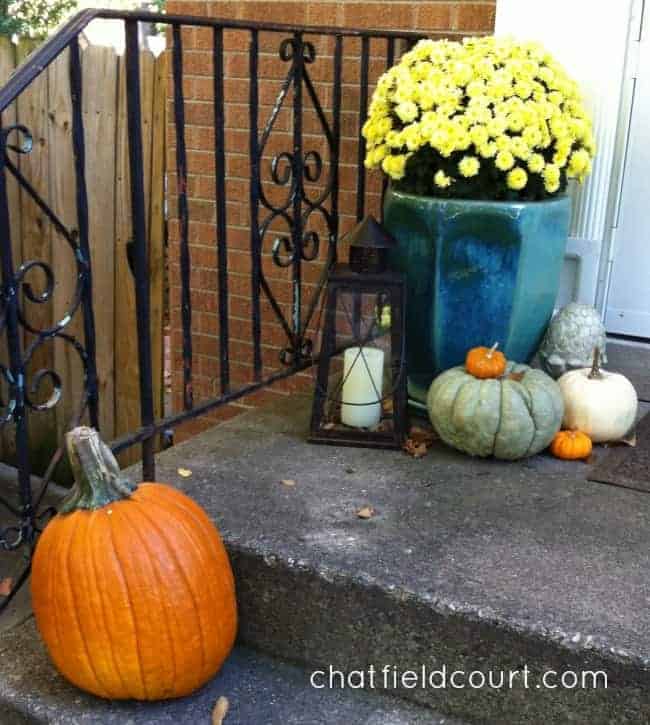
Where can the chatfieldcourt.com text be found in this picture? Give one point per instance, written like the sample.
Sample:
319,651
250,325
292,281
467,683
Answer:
442,677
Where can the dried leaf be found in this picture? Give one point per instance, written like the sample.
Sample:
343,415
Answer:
517,377
366,512
5,586
629,440
422,435
220,711
415,449
387,406
184,472
382,426
288,482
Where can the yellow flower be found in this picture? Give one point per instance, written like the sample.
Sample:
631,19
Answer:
578,162
551,176
523,89
520,148
532,136
504,160
463,140
395,166
515,121
407,111
448,147
498,100
536,163
412,137
441,179
488,150
425,97
479,135
469,166
375,156
503,143
517,178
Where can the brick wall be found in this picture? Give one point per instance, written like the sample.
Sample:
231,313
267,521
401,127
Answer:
452,18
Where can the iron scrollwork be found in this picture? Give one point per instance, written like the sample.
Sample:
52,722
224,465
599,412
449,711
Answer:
293,170
24,392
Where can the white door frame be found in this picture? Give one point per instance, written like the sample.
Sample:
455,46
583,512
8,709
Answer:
638,22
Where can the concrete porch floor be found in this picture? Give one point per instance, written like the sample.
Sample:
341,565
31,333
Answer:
473,564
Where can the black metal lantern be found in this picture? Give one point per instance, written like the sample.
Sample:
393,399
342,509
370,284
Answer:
360,396
369,246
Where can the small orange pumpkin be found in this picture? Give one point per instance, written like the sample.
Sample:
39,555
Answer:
132,588
485,362
571,445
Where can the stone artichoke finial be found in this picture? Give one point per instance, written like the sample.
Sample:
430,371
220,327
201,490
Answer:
570,340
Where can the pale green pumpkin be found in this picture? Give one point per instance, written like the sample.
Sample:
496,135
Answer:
510,417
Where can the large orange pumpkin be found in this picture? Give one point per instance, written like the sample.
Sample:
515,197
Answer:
131,586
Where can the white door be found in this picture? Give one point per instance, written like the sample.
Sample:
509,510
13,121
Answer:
628,302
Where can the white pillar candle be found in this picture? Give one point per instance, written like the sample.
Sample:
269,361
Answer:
363,386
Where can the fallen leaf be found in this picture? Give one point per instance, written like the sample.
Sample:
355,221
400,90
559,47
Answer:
366,512
422,435
288,482
184,472
5,586
387,406
220,711
382,426
517,377
629,440
415,449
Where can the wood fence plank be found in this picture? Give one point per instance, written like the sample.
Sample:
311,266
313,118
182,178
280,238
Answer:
127,391
63,203
8,54
157,227
99,90
36,230
127,413
7,64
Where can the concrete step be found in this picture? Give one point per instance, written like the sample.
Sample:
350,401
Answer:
260,691
466,565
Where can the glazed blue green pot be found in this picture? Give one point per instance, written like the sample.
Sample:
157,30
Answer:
477,272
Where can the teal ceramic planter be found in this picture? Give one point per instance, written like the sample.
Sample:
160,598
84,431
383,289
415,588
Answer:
477,272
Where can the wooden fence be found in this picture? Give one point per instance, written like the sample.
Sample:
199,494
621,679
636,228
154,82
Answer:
45,109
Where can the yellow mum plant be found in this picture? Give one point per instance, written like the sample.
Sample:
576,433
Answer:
485,118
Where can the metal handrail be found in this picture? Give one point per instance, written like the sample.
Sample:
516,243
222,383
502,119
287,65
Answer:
39,60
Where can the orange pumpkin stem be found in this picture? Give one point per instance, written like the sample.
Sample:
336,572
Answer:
97,477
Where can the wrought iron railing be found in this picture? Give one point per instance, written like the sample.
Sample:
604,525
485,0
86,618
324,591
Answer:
295,168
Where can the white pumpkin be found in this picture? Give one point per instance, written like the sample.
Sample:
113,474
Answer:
599,403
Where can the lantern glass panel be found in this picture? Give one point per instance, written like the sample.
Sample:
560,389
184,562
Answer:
359,395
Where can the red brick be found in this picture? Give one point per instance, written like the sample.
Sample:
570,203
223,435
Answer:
378,15
474,17
434,16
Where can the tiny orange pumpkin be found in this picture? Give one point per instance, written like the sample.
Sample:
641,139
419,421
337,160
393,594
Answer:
571,445
485,362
